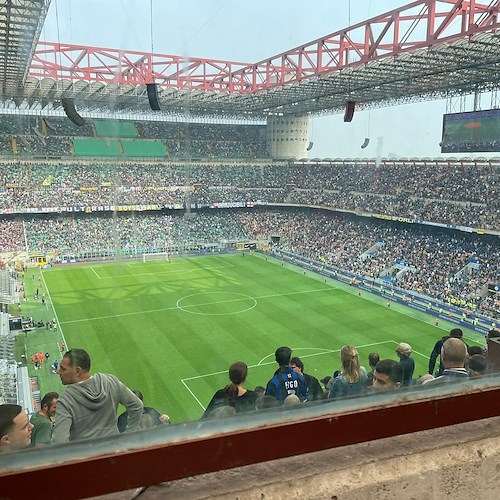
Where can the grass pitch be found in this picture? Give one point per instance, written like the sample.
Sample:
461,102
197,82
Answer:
171,329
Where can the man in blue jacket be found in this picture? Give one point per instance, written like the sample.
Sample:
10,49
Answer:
285,380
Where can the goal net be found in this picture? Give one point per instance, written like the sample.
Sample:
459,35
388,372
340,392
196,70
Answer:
155,256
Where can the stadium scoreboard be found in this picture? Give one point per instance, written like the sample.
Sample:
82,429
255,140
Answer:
474,131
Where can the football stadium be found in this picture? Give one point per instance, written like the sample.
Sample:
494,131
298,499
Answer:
200,257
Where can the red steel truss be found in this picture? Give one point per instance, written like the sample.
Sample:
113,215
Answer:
420,24
96,64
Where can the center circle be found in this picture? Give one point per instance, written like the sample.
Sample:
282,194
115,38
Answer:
223,304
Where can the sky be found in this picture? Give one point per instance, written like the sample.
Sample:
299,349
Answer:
249,32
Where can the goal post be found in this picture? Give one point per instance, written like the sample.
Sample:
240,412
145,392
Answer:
146,257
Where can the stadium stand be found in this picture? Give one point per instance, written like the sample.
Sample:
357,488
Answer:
437,263
470,199
8,379
416,227
96,147
143,149
115,128
50,137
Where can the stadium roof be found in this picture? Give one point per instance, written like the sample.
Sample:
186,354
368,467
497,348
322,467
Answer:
425,50
20,25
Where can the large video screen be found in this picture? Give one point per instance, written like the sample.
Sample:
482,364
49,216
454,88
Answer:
475,131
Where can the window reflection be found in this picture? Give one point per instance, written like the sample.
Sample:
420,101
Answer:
181,255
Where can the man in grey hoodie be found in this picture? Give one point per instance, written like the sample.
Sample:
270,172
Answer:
88,408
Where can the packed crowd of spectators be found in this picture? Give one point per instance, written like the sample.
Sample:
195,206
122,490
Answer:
464,196
29,136
438,264
69,418
140,232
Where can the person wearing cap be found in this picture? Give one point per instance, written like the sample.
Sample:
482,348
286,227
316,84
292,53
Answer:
406,362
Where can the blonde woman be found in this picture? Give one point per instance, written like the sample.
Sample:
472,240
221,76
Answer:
352,377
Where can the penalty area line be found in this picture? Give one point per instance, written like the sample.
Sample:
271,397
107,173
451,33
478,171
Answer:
325,351
192,394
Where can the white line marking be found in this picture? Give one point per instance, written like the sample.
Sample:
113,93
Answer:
295,349
93,270
226,264
180,271
325,351
194,305
186,309
54,309
97,318
413,351
192,394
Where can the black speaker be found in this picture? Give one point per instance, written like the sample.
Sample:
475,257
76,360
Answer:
310,146
153,96
365,144
71,112
349,111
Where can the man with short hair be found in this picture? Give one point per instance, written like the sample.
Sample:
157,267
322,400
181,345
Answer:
373,359
314,390
88,408
15,428
493,333
455,333
406,362
41,434
150,416
387,375
477,365
453,356
285,381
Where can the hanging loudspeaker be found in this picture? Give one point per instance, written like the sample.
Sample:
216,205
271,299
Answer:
153,96
71,112
349,111
310,146
367,141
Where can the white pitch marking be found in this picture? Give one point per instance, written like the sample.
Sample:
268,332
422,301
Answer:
326,351
226,264
413,351
192,394
297,349
319,353
98,277
180,271
54,309
195,305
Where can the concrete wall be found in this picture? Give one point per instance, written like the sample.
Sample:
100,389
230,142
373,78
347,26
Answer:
459,462
287,137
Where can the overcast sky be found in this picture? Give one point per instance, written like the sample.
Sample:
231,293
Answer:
249,32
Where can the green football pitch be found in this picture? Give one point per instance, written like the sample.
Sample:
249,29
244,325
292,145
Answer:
171,329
